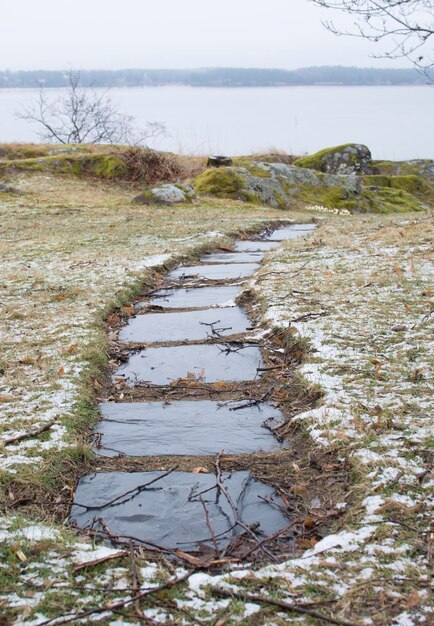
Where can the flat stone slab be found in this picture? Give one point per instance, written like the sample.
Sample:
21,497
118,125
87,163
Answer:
291,232
185,325
169,513
184,428
255,246
233,257
214,272
207,363
195,297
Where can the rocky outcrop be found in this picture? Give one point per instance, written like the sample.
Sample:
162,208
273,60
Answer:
353,158
166,194
277,184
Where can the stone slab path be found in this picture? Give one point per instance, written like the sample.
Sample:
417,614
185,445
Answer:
184,510
184,428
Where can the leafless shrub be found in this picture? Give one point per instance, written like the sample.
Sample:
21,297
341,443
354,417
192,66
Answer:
151,166
84,116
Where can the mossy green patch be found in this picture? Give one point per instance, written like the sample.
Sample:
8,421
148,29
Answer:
389,200
220,182
259,172
411,183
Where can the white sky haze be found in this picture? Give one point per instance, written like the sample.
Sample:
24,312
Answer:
108,34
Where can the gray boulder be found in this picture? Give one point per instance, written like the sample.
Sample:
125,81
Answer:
166,194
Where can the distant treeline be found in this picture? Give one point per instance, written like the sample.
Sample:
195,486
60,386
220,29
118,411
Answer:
217,77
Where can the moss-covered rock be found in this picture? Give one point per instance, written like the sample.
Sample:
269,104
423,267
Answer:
351,158
424,168
276,184
106,166
220,182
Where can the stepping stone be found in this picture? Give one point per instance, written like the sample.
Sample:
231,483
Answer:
185,428
169,512
195,297
186,325
214,272
207,363
292,232
233,257
255,246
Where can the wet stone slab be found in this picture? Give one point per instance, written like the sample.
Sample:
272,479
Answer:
291,232
233,257
169,513
207,363
185,428
213,272
255,246
195,297
185,325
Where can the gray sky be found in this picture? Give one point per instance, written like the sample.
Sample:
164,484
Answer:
115,34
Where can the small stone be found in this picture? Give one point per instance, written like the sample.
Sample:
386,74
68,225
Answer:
399,328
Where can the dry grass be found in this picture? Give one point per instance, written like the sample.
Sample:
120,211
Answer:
74,249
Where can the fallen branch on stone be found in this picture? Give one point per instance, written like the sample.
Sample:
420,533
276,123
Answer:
139,488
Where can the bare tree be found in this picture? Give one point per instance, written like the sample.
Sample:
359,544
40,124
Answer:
81,115
404,26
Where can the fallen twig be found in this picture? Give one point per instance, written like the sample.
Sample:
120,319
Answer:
296,608
235,511
103,559
29,434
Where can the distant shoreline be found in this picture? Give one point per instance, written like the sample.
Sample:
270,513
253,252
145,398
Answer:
336,76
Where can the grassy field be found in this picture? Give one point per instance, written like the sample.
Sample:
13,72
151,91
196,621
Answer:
359,293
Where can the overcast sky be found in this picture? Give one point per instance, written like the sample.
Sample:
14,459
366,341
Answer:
114,34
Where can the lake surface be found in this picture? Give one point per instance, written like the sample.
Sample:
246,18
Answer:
395,122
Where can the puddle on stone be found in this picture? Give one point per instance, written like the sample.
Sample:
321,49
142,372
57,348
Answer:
214,272
255,246
185,428
169,512
291,232
194,298
185,325
233,257
207,363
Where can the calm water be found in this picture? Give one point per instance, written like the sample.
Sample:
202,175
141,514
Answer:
395,122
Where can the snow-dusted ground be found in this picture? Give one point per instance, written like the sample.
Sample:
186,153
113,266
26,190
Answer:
369,283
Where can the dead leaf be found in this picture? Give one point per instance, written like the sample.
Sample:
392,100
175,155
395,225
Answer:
413,599
20,554
60,371
296,468
72,348
342,437
299,490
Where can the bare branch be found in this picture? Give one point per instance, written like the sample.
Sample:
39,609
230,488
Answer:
405,27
